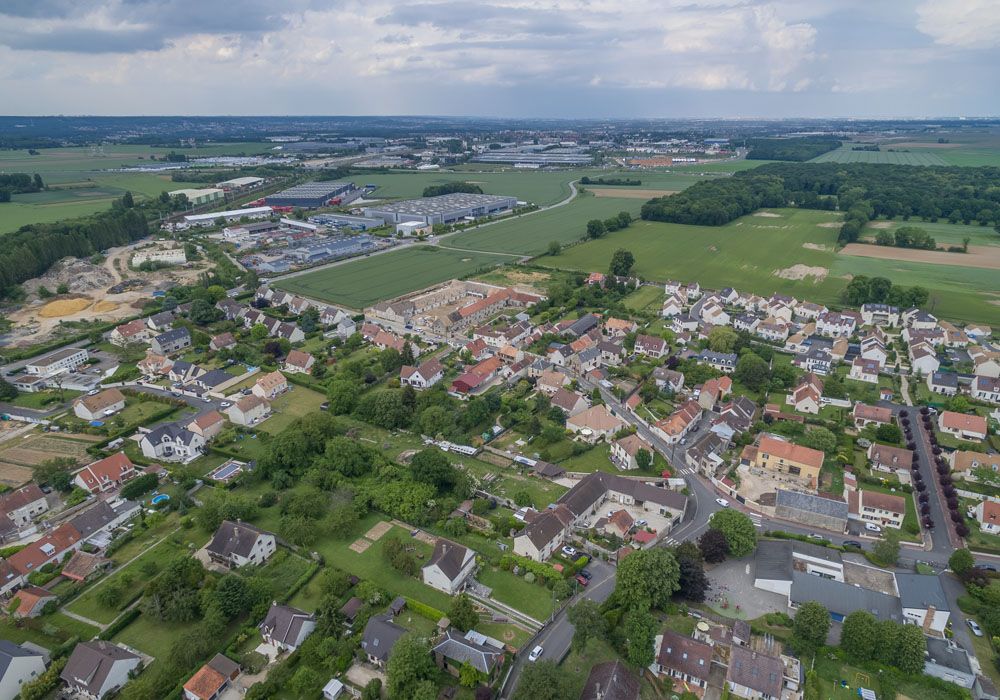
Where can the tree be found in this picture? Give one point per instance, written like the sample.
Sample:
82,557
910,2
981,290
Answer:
409,665
462,614
910,649
812,623
722,339
639,629
305,682
258,332
595,228
644,459
202,312
554,248
820,439
860,635
961,562
469,676
888,432
543,680
886,550
738,529
693,581
713,545
373,690
7,390
342,395
432,467
588,622
647,578
752,371
173,595
621,263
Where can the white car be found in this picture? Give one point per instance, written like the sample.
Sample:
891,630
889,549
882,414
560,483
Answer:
872,527
641,523
569,551
225,404
536,653
974,626
206,399
93,392
722,502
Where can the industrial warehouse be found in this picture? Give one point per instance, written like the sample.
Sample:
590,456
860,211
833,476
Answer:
312,195
444,209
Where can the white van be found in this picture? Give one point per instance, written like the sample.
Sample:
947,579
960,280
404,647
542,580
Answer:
872,527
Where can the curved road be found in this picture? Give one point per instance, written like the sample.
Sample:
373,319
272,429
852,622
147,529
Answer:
436,241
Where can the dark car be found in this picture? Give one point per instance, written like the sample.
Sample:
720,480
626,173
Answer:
986,567
586,574
325,406
582,580
853,543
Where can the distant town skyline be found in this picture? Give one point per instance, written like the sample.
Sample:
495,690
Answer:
503,58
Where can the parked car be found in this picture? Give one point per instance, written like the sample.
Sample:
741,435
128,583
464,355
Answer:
586,574
536,653
853,543
986,567
872,527
93,392
582,581
325,406
641,523
206,399
976,629
569,551
225,404
814,536
722,502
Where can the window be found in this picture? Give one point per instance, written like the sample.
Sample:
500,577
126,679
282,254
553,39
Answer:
794,470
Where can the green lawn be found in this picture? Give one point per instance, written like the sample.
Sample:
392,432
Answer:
942,232
49,631
532,599
290,406
365,281
648,298
151,636
44,400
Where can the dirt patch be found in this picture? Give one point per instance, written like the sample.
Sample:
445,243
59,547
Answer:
629,193
985,257
360,545
14,475
713,249
816,246
880,224
64,307
830,224
103,307
767,215
801,272
378,530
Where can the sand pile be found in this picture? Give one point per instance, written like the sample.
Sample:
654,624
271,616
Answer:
64,307
800,272
102,307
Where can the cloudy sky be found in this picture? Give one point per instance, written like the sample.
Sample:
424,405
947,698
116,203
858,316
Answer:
558,58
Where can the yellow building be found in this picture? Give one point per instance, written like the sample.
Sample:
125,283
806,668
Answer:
785,458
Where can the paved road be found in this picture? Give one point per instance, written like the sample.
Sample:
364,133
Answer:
435,241
943,536
556,637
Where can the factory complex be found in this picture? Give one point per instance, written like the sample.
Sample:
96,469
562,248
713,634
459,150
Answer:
444,209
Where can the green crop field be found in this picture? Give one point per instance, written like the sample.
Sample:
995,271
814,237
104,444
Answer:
908,157
531,234
368,280
944,233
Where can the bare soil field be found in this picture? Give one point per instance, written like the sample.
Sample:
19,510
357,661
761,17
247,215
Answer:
14,475
801,272
36,448
628,192
986,257
766,215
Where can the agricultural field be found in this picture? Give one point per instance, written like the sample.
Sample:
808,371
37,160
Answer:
19,455
907,157
363,282
531,234
941,231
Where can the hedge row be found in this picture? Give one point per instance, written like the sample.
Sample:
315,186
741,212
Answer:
543,571
302,580
424,610
123,621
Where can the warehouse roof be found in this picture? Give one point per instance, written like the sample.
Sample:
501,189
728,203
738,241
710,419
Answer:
442,203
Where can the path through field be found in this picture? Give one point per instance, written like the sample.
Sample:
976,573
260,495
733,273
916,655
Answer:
986,257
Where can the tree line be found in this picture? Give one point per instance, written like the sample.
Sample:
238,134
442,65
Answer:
452,188
627,181
794,149
19,183
717,202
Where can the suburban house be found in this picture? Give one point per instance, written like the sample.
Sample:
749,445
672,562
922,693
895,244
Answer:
678,424
249,410
171,442
223,341
594,423
754,675
722,361
668,380
651,346
546,530
570,402
986,389
864,370
237,544
924,602
21,506
18,665
97,668
807,397
865,415
611,680
923,359
550,381
171,341
945,383
212,679
963,426
381,635
713,391
298,361
985,363
449,567
31,600
624,451
453,651
286,627
100,405
880,315
837,324
772,328
885,458
965,463
132,332
786,458
207,425
270,386
105,474
618,328
683,658
883,509
425,375
673,305
988,515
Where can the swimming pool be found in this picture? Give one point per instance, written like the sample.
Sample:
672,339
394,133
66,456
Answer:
160,498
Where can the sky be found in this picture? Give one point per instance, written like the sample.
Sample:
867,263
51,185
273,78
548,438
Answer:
504,58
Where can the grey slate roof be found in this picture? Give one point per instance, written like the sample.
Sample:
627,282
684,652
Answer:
773,559
172,335
459,650
813,504
381,635
760,672
843,598
173,432
98,517
920,591
611,681
583,324
234,538
448,557
948,655
90,663
284,623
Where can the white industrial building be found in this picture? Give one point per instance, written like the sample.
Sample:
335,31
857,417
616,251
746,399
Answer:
170,256
229,216
241,184
443,209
